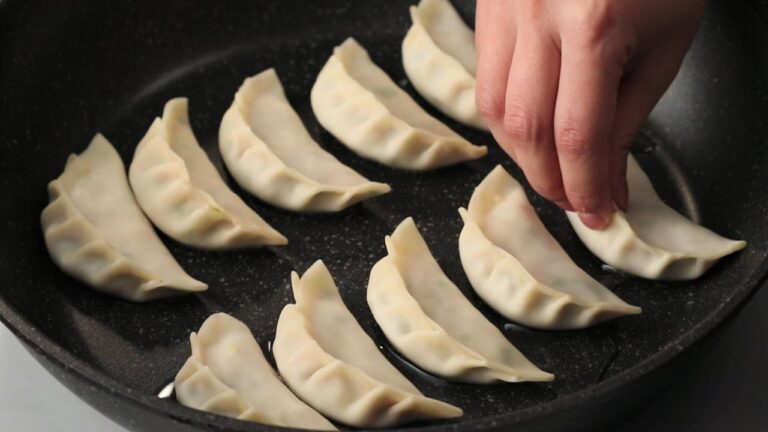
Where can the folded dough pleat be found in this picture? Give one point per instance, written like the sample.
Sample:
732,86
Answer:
440,60
332,364
270,154
518,268
652,240
183,194
96,232
227,374
363,108
427,318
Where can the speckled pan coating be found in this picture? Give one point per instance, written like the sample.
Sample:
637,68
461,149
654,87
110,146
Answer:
70,69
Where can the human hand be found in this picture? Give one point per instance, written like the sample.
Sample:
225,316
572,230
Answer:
565,84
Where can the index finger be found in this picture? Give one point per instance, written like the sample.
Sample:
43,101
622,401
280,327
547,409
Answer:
584,115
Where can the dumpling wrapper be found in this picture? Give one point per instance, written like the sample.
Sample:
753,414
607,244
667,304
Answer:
440,60
183,194
427,318
227,374
651,240
270,154
362,107
332,364
96,232
518,268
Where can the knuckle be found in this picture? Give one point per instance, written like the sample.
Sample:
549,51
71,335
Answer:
489,102
597,18
521,124
598,28
572,141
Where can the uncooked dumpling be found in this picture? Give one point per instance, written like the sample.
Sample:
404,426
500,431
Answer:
520,270
95,231
440,60
428,319
332,364
363,108
651,240
227,374
271,155
180,190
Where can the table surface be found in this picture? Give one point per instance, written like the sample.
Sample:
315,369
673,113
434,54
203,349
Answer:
722,389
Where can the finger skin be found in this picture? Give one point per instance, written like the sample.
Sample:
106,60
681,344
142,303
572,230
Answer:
615,61
528,112
584,115
495,42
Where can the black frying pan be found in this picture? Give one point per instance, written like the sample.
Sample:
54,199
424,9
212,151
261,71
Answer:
71,68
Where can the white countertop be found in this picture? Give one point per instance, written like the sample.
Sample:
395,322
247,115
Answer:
31,400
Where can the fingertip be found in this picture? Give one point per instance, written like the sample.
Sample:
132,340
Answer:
594,221
565,205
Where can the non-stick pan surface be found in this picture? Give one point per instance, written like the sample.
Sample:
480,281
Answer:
69,69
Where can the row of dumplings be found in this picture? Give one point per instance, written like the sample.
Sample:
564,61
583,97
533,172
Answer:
95,231
329,365
328,361
94,227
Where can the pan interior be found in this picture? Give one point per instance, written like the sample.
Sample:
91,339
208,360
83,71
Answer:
109,67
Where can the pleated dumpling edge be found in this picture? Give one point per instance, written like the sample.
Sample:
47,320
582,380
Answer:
227,374
83,236
359,104
184,195
270,153
439,58
428,320
652,240
335,380
519,269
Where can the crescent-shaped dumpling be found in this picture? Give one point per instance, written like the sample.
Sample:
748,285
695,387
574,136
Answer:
332,364
440,60
363,108
270,154
96,232
183,194
227,374
518,268
652,240
427,318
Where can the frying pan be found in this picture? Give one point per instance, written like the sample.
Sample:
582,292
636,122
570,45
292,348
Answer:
70,68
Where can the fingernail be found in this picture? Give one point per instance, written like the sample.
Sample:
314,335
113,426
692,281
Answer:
593,221
565,205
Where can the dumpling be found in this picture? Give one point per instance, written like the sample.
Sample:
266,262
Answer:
363,108
271,155
95,231
228,374
331,363
651,240
183,194
427,318
440,60
520,270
